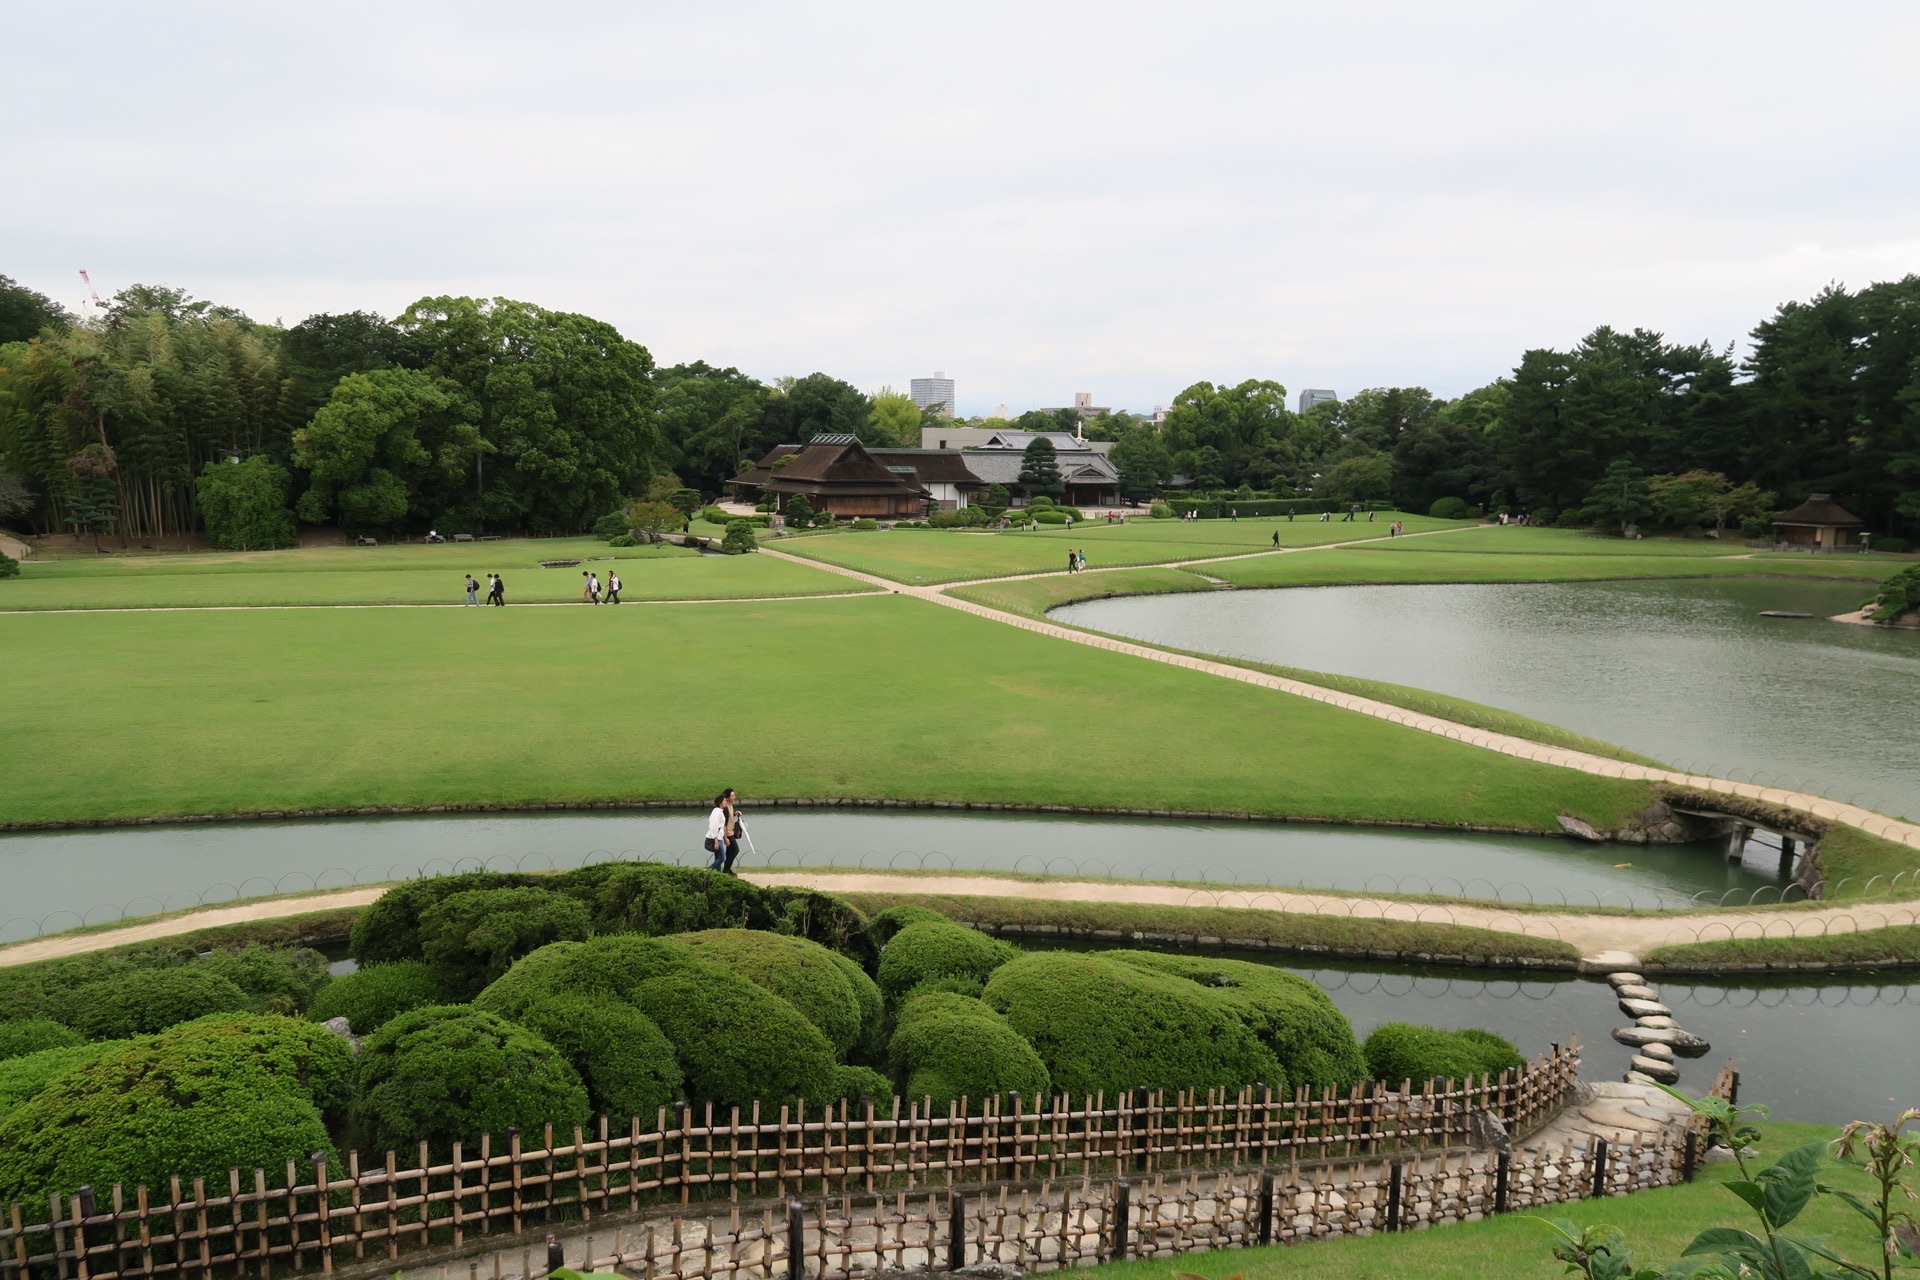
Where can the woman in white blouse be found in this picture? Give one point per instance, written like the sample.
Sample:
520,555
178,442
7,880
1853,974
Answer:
717,821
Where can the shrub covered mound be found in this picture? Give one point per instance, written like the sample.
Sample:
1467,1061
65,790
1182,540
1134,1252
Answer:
374,996
231,1090
1293,1017
1100,1023
449,1073
390,928
947,1047
25,1076
939,949
735,1042
629,1066
891,921
1398,1051
472,937
855,1083
152,1000
31,1035
829,990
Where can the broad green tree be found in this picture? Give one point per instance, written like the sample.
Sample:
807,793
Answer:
1621,496
245,504
897,417
381,446
24,313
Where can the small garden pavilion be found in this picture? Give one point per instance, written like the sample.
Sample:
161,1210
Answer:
1818,524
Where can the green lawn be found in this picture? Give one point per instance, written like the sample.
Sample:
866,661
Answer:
1413,561
884,696
1659,1224
925,556
410,574
1032,597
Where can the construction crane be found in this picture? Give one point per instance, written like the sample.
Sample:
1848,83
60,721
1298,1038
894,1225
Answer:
95,293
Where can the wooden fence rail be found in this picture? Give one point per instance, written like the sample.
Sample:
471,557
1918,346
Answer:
316,1214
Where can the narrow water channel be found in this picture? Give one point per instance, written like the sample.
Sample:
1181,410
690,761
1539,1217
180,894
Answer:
1687,671
56,880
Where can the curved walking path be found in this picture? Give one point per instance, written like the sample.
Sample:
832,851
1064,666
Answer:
1867,820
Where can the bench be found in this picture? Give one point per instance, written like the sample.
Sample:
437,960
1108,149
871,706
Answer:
463,537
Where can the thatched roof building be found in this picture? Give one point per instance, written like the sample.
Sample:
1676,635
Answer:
1819,524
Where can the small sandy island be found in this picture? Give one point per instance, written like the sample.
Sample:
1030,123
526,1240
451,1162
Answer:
1859,618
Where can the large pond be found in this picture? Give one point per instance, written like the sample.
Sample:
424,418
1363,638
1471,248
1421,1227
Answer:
1685,671
56,880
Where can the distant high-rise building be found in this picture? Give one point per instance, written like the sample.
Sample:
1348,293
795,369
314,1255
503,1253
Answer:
934,392
1315,395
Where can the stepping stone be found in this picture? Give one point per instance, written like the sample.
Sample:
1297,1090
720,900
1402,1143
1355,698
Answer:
1634,1077
1614,961
1610,1118
1626,979
1642,1008
1655,1069
1657,1020
1635,992
1689,1045
1662,1052
1636,1037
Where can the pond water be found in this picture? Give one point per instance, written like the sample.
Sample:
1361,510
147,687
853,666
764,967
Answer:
56,880
1685,671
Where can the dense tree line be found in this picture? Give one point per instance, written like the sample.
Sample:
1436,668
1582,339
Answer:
501,416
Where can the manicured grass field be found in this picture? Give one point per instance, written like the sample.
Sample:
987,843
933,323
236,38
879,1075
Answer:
1032,597
403,575
1659,1224
885,696
925,556
1412,562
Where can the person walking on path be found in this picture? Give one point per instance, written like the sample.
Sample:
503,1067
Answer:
1233,514
1073,563
586,588
1276,539
473,593
736,831
613,587
593,586
496,589
715,842
1081,555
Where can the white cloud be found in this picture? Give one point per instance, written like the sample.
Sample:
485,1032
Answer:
1036,198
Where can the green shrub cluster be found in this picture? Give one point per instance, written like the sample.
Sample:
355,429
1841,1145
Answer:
101,993
31,1035
23,1077
232,1090
739,540
9,567
1890,544
939,949
472,937
1898,596
948,1047
1450,509
854,1083
1399,1051
865,524
1254,508
375,995
1100,1023
151,1000
829,990
449,1073
891,921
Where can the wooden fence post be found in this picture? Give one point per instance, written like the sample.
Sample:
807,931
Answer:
1599,1167
1122,1203
1690,1155
556,1255
1266,1206
1142,1132
1502,1172
956,1231
1396,1173
797,1240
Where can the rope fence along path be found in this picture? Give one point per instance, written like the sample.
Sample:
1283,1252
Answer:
1867,820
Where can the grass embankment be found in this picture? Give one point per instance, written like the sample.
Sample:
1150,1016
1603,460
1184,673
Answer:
882,696
1658,1224
1898,945
409,574
1851,858
1123,922
1032,597
923,557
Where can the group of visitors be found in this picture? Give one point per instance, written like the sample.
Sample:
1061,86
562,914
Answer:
725,831
591,591
496,590
1116,517
1076,561
1525,517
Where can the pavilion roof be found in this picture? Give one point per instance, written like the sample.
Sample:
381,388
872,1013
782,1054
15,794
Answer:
1820,509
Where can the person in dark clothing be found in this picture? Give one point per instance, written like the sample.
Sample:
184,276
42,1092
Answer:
736,828
1073,563
613,587
1276,538
496,589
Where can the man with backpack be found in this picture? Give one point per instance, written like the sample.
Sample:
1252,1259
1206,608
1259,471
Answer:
613,587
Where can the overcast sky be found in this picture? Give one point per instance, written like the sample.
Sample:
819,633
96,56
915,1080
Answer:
1036,198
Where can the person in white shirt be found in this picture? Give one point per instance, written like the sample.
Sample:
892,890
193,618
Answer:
716,838
613,587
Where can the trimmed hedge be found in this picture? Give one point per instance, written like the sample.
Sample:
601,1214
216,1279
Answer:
473,937
939,949
272,979
891,921
829,990
389,929
1253,508
948,1047
855,1083
148,1000
449,1073
1450,509
281,979
377,994
652,898
1100,1023
229,1091
25,1076
627,1062
1398,1051
1293,1017
735,1042
31,1035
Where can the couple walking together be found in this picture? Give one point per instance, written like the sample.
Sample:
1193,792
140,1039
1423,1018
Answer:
1076,561
590,592
725,831
496,590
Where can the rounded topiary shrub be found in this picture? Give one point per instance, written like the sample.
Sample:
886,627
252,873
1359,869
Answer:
30,1035
1099,1023
627,1062
825,987
653,898
377,994
891,921
449,1073
390,928
949,1047
735,1042
855,1083
472,937
229,1091
25,1076
143,1000
939,949
1294,1018
819,917
281,979
1450,509
1398,1051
